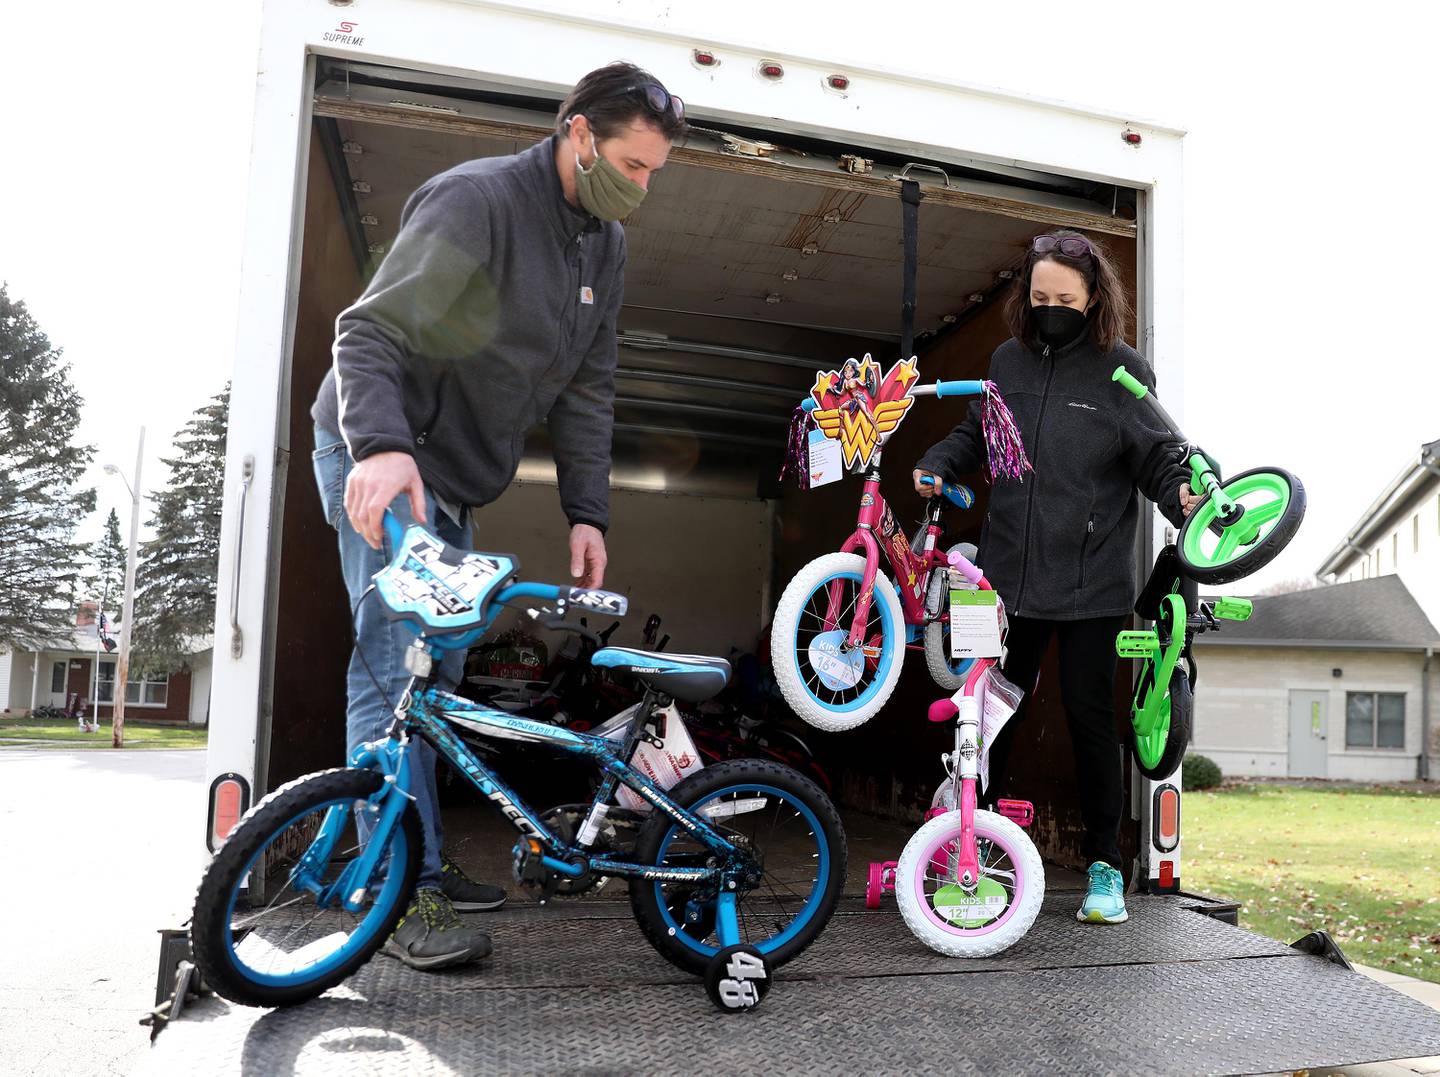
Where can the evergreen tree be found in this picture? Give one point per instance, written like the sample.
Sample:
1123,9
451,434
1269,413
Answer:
41,564
175,586
108,585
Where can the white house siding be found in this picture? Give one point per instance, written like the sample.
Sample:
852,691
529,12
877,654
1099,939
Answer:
200,688
17,679
4,681
1408,547
1242,707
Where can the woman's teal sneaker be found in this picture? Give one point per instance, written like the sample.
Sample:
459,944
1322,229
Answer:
1105,900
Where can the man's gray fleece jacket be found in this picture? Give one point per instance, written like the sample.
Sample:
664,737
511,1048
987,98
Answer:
1061,545
495,309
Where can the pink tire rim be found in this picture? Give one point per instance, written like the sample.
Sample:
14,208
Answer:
934,853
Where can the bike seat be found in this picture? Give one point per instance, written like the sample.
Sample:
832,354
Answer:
690,677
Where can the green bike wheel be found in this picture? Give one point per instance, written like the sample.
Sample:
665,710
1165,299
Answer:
1274,504
1158,753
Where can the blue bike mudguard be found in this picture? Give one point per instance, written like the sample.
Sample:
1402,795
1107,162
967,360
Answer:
960,496
435,586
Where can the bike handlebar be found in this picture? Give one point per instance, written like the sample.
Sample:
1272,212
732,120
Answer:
959,388
965,567
1130,383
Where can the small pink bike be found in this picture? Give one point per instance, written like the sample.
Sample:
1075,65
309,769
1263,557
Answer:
842,625
969,883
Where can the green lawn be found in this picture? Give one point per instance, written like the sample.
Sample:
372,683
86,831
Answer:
1361,862
63,733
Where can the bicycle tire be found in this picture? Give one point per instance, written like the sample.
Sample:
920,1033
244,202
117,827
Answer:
210,933
646,898
1178,729
1262,552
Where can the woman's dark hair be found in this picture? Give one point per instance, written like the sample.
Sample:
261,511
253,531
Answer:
612,97
1110,314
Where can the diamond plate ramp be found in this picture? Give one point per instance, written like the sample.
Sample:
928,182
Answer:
1172,991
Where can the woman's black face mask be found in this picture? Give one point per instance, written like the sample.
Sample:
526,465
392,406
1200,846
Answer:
1057,325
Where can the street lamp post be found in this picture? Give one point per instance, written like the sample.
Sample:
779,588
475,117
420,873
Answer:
122,665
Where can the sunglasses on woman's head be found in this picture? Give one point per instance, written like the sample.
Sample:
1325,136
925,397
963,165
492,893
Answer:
1070,246
659,99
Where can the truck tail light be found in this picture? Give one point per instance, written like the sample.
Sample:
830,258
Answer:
838,82
703,57
1166,818
229,800
771,70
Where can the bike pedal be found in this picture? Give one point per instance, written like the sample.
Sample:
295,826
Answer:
1234,609
1019,812
1137,643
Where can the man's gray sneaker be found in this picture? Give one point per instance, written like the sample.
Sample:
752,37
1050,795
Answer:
464,892
432,936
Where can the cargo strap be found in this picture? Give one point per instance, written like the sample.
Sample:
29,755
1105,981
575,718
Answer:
910,222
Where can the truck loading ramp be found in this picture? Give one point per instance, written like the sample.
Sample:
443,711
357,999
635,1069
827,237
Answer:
574,987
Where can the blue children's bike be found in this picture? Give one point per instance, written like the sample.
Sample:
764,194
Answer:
735,870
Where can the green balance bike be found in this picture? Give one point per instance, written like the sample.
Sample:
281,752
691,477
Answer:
1239,526
1161,712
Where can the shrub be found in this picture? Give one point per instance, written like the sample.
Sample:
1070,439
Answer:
1199,772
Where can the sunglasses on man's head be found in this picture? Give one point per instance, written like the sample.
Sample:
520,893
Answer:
659,99
1070,246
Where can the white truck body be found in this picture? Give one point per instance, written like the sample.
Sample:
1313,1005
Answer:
489,43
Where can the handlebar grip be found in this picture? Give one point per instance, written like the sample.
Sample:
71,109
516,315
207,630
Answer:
1130,383
959,388
809,403
588,598
964,566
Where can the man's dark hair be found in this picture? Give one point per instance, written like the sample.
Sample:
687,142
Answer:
1108,318
612,97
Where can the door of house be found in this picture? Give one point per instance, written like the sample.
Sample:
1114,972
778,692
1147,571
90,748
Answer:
1309,727
78,681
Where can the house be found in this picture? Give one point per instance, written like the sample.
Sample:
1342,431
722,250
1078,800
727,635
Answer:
80,667
1399,533
1334,682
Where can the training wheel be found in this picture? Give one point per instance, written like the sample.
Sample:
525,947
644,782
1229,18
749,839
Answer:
881,881
737,978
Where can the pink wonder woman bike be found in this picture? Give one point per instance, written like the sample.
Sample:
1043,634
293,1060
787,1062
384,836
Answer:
842,626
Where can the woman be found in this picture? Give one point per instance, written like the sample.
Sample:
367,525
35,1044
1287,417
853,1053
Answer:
1060,547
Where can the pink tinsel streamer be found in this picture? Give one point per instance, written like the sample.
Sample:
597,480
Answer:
797,448
1005,449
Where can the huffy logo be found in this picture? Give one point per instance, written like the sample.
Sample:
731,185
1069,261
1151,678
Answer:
684,760
344,34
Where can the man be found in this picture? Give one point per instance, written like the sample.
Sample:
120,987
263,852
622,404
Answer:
495,308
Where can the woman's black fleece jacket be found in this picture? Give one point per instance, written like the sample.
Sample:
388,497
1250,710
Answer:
1061,544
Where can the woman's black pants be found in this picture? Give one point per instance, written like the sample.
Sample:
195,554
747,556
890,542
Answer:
1087,692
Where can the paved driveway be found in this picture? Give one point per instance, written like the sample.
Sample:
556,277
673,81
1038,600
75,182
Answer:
99,849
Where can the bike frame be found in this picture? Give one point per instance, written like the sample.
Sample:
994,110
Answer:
433,715
876,530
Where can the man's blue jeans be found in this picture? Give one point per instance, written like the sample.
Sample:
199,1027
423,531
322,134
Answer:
368,714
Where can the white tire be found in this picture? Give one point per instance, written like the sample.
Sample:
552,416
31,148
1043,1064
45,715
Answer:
786,629
937,649
981,942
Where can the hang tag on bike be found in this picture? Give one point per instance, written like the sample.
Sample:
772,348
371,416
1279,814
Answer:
999,699
974,624
824,460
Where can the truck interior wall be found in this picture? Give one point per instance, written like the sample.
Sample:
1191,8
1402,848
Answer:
890,765
702,564
312,629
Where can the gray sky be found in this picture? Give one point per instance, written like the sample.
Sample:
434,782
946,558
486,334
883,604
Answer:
1311,129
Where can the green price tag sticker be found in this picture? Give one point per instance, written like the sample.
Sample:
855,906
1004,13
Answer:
974,598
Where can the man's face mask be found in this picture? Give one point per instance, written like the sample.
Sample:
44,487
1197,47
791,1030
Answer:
604,191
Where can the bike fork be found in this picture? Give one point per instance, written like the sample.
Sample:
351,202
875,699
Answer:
966,860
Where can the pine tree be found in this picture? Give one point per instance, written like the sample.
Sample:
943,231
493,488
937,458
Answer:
108,583
175,585
41,564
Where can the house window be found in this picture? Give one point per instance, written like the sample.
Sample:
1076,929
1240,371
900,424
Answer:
1375,719
57,678
142,692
